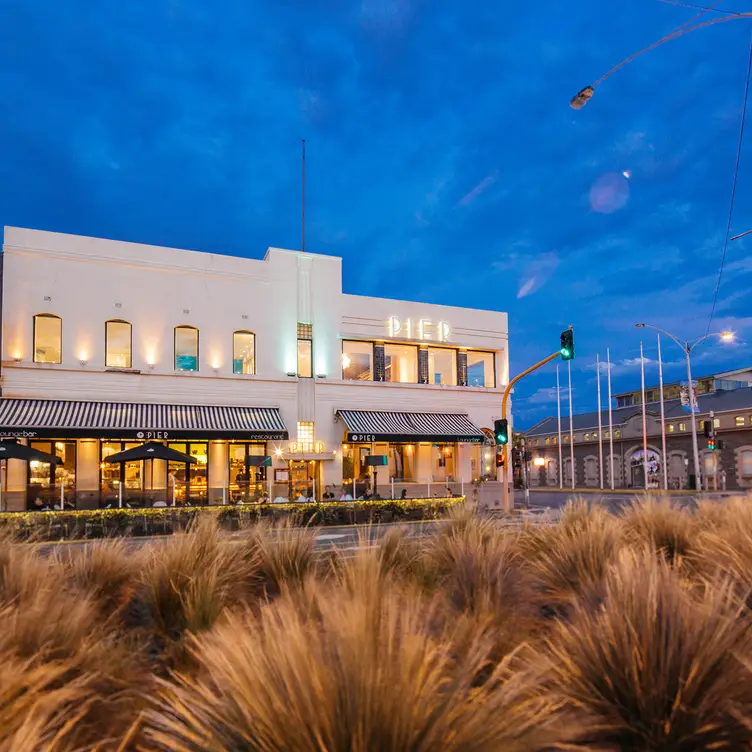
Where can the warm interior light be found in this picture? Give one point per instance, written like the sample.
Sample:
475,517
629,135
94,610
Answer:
345,360
539,461
278,452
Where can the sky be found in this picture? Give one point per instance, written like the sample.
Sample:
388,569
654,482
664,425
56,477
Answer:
444,163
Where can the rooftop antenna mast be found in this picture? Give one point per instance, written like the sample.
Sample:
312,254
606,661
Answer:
302,197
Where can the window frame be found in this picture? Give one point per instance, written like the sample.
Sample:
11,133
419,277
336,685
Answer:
253,369
454,354
34,338
175,348
493,366
369,342
130,342
417,364
306,330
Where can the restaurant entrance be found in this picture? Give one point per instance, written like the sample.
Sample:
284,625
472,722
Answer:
304,479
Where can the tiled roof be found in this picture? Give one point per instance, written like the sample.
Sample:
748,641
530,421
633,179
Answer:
718,402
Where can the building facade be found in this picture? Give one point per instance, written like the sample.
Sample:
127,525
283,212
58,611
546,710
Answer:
725,401
106,345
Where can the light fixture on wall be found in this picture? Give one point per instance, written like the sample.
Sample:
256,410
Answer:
320,375
151,366
83,363
17,358
291,373
278,452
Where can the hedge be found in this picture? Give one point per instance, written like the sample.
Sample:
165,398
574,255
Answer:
105,523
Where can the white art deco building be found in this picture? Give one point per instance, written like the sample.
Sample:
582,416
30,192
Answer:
106,345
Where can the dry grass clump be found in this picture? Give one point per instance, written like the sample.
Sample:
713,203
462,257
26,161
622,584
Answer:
286,555
107,573
661,525
571,559
600,632
655,667
368,675
187,584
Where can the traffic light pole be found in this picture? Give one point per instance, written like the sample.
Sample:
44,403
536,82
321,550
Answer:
504,401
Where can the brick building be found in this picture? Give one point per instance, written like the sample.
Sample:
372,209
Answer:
724,398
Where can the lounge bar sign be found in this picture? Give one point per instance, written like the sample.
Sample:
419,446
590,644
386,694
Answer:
423,329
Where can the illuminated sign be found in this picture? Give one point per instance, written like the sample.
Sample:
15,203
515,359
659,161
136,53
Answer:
418,329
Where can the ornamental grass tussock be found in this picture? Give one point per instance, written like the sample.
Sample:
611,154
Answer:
600,632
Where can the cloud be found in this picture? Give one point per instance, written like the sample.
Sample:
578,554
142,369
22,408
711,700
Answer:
487,181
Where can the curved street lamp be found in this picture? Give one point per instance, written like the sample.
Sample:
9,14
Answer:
687,346
583,96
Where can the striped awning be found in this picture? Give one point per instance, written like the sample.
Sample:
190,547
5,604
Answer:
26,418
371,425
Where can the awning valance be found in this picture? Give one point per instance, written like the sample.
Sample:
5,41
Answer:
371,425
29,419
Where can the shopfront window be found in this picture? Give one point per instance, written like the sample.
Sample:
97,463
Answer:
117,341
357,361
186,348
189,481
482,459
401,364
48,338
46,481
133,477
244,352
480,369
246,483
442,366
353,467
402,461
442,462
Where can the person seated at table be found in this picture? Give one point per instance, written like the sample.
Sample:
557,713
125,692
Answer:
328,494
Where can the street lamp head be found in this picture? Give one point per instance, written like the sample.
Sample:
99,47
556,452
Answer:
639,326
727,336
582,97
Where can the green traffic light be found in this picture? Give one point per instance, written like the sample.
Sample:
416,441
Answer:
567,344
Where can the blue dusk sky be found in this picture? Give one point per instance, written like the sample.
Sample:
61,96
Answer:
444,162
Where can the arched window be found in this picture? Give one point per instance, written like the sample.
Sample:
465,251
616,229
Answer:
186,348
48,338
243,352
117,344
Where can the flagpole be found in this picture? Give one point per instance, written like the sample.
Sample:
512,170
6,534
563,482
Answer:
571,422
644,420
663,418
610,421
600,422
558,418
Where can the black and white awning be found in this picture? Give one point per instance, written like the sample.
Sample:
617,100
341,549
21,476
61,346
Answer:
29,419
371,425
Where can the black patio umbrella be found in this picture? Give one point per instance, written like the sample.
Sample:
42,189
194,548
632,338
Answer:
150,451
11,450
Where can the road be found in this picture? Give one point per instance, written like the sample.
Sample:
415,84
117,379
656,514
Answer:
345,538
